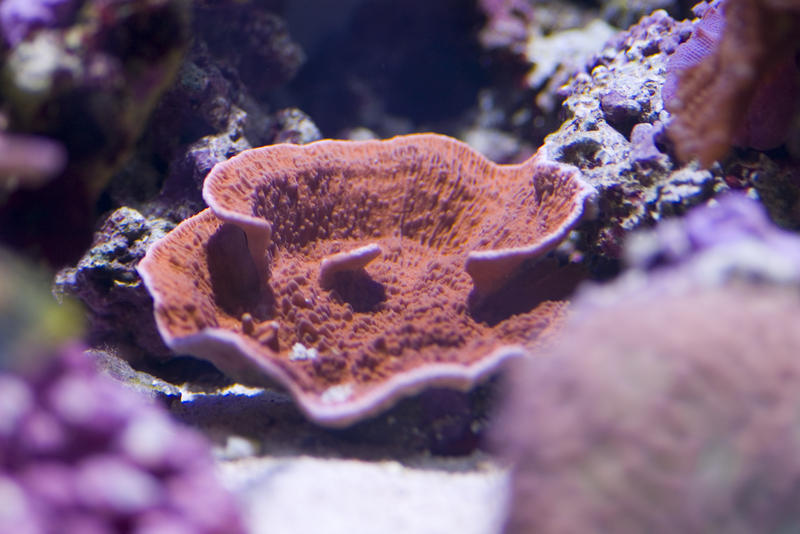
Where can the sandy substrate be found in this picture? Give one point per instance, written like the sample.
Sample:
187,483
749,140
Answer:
331,496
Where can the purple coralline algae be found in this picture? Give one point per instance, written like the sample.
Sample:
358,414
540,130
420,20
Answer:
19,18
731,221
81,453
614,132
728,240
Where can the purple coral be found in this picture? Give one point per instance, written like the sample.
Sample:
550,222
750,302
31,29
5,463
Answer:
18,18
81,453
705,37
735,220
771,109
668,403
643,142
760,68
669,414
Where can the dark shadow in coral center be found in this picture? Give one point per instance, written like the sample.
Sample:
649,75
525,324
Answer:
534,284
359,289
234,276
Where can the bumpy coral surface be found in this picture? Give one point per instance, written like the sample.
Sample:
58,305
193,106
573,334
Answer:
735,82
356,272
668,414
81,453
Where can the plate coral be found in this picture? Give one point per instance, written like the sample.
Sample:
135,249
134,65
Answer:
352,272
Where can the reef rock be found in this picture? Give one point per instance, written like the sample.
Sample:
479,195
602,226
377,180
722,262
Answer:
86,74
614,133
106,281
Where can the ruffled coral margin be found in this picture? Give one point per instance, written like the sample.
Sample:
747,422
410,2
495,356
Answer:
239,284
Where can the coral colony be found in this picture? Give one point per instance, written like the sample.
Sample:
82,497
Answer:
655,415
79,452
666,403
620,231
735,81
346,270
651,397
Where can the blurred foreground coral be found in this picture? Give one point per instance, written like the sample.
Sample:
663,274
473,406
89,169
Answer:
80,452
670,402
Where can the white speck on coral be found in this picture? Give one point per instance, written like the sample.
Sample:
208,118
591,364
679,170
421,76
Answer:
338,393
301,352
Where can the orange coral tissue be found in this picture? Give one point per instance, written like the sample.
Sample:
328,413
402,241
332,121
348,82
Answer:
349,271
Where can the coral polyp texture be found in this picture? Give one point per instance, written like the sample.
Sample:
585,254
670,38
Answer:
355,272
80,452
735,81
669,414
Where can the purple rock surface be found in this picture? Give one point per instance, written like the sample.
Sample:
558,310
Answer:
614,112
734,220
